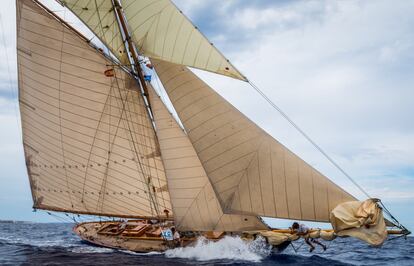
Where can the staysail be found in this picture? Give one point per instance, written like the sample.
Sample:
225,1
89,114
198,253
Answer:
159,29
89,144
251,173
194,202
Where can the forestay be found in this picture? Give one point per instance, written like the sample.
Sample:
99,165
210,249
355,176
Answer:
194,202
251,172
89,144
158,28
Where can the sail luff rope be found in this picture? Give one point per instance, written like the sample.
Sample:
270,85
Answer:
319,148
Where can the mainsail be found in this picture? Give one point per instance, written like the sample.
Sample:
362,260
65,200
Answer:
251,173
89,144
158,28
194,202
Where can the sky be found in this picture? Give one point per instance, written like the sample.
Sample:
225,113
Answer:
342,70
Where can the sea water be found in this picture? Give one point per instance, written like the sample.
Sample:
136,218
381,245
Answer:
55,244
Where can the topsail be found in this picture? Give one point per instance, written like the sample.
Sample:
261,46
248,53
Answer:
158,28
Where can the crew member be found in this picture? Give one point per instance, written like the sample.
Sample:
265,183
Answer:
176,237
147,68
303,230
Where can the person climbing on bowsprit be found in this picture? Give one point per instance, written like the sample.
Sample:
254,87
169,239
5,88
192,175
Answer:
303,230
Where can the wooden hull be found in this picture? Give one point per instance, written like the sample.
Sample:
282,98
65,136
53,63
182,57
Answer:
138,239
90,232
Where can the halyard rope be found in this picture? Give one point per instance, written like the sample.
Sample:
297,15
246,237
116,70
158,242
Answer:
319,148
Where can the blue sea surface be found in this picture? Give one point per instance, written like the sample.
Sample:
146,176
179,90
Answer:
55,244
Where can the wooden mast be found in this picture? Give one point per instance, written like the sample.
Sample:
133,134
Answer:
132,49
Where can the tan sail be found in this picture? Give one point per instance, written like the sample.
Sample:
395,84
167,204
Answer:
194,202
250,171
100,18
89,144
159,29
362,220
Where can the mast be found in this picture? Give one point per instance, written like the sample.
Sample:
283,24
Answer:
131,48
132,52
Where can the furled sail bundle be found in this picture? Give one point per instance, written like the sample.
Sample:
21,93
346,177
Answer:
194,202
363,220
89,144
251,173
158,28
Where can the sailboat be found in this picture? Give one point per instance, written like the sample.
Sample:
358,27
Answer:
100,141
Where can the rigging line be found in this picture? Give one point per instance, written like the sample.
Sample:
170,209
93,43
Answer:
148,109
59,218
104,181
150,140
148,177
111,143
330,159
108,154
10,77
153,90
137,154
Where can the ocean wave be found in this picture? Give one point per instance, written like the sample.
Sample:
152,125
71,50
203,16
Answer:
228,248
152,253
90,249
39,244
36,243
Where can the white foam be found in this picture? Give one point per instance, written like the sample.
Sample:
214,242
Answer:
91,249
36,242
231,248
152,253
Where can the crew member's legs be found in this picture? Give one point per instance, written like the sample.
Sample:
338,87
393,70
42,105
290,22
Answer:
312,247
319,243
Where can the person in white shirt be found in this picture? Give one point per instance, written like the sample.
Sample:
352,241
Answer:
176,236
147,68
303,230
